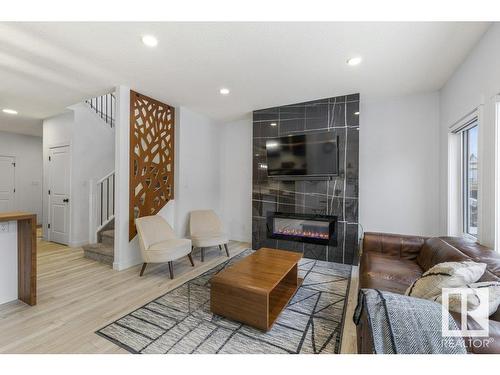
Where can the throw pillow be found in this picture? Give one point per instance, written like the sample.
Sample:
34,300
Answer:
445,275
473,300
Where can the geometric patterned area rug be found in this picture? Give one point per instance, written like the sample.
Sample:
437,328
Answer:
180,321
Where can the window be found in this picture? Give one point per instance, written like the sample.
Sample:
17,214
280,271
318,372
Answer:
470,179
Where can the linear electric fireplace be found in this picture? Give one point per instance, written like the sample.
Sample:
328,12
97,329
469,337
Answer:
317,229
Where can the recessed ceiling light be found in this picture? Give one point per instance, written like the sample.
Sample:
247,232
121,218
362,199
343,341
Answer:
9,111
224,91
356,113
273,124
150,40
354,61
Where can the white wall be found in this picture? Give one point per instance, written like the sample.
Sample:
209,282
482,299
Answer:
27,151
92,151
236,179
199,170
399,169
126,253
475,84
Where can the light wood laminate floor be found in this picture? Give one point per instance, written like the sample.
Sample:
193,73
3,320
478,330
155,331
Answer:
77,296
349,340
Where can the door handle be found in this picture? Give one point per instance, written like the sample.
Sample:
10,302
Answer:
66,200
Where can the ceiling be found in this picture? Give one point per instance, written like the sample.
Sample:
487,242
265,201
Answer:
45,67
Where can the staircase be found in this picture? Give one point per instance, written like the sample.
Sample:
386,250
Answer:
104,250
102,195
101,220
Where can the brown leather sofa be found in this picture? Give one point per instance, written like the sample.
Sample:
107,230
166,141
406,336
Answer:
391,262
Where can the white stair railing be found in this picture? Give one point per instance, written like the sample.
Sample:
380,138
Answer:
101,204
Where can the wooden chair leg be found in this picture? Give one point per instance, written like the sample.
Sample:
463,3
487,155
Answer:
202,254
191,259
143,269
227,250
220,248
171,269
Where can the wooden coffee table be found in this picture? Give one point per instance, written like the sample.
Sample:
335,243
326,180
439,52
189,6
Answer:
256,289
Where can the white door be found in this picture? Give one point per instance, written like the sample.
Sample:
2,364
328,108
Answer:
7,168
59,168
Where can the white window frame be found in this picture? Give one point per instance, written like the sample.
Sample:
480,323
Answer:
463,178
496,100
456,191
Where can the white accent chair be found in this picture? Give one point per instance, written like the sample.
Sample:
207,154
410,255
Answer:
159,244
206,230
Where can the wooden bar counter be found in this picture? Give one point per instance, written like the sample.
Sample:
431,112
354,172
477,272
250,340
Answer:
26,250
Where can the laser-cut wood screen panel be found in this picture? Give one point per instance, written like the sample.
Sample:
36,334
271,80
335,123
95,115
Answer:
151,157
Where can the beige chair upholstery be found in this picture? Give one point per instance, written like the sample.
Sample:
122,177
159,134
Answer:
159,244
206,230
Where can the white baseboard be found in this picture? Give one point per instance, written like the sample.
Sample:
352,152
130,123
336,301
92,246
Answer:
120,266
77,243
241,239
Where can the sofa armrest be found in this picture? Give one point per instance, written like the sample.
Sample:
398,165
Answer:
396,245
364,338
486,345
481,345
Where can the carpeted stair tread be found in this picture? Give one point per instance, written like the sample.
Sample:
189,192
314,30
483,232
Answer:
108,237
99,248
108,233
100,253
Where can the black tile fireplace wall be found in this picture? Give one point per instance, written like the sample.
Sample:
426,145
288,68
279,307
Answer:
338,196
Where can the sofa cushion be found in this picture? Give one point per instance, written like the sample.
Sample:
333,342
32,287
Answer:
384,272
436,250
167,250
478,253
397,245
456,249
209,239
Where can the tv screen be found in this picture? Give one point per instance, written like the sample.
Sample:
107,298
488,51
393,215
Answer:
314,154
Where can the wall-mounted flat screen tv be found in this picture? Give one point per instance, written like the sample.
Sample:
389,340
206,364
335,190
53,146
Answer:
312,155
